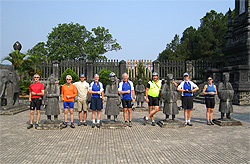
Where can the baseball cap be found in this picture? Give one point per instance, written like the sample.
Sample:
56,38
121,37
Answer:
185,74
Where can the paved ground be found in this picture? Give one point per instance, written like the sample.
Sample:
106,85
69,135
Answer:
139,144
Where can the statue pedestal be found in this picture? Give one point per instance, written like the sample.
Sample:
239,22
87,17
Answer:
50,125
13,109
112,125
170,124
227,122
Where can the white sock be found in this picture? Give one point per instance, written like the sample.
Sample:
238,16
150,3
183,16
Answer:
93,121
188,121
80,121
98,121
84,121
146,118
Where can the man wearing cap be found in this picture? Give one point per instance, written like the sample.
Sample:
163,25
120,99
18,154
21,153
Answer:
152,97
126,88
187,87
82,89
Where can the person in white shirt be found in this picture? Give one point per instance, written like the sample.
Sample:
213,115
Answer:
82,102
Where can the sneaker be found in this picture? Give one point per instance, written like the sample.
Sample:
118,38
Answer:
130,124
98,125
185,124
64,125
30,126
36,126
125,124
153,124
93,125
211,122
80,123
85,123
145,121
189,124
72,125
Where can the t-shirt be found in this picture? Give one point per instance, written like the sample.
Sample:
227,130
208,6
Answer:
125,86
37,88
187,85
96,87
82,89
69,90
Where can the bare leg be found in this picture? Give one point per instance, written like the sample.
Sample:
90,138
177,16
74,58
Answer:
93,114
150,108
125,110
66,115
189,114
31,116
98,115
185,114
208,114
130,114
84,115
211,114
153,112
71,114
80,116
38,115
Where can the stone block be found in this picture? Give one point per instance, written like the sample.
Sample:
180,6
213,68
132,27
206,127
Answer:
170,124
227,122
112,125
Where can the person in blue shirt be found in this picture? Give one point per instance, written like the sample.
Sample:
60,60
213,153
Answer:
126,88
97,91
187,87
210,91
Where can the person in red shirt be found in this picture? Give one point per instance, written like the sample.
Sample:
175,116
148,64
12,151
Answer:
35,99
68,93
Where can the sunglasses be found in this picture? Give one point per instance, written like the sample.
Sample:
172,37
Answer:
82,77
209,79
69,79
36,77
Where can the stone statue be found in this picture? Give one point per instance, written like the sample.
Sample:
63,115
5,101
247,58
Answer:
226,94
139,91
113,99
52,94
17,46
9,88
170,96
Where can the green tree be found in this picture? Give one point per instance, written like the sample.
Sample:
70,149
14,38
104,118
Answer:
68,71
73,41
170,53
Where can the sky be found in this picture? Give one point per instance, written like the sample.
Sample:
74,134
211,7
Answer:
142,27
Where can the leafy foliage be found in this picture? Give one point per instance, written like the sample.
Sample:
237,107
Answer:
68,71
24,87
204,43
104,76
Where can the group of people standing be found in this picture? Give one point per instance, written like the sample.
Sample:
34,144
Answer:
93,93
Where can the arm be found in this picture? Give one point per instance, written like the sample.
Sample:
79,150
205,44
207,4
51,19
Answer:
62,93
30,97
74,92
94,92
204,90
133,95
147,100
195,89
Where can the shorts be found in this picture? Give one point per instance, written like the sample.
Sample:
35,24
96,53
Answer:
82,105
210,102
187,102
153,101
36,104
96,103
126,103
68,104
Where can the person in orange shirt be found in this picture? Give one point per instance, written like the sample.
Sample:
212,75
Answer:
68,93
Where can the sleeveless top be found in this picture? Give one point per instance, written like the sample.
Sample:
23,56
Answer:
210,89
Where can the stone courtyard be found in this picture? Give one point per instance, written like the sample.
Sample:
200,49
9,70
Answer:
200,143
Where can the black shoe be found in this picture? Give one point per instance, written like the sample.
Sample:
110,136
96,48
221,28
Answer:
211,122
64,125
185,124
80,123
93,125
145,121
189,124
36,126
130,124
72,125
98,125
153,124
30,126
85,124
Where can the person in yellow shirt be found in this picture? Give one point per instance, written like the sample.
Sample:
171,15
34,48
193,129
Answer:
68,92
152,97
